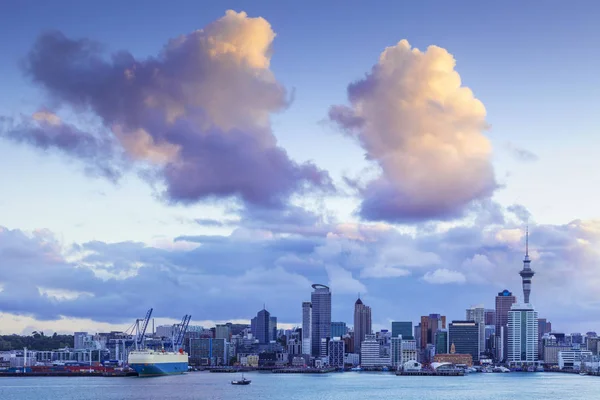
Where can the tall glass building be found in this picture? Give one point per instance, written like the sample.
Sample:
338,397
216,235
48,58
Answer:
464,335
338,329
320,318
306,327
362,324
403,328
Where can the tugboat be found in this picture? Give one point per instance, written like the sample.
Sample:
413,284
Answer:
243,381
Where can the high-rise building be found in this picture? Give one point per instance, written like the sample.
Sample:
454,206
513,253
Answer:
362,323
306,327
208,351
490,317
272,328
417,335
523,321
477,314
260,325
370,355
320,317
504,302
336,352
338,329
402,350
404,328
223,332
441,341
429,326
80,340
544,327
522,334
464,335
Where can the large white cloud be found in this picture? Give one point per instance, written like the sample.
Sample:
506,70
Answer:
414,118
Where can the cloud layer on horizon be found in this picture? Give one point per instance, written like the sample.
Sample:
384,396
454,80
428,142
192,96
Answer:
424,130
195,118
230,277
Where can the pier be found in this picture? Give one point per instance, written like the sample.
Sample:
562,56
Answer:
303,370
430,373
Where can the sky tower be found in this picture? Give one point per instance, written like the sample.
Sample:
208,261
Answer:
526,273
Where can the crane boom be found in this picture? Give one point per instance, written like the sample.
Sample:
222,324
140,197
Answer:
182,329
142,332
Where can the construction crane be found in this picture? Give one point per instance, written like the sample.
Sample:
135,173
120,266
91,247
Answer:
179,331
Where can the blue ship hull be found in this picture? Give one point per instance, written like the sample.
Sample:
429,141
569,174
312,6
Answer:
160,369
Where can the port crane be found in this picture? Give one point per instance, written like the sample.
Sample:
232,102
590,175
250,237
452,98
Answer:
179,331
140,331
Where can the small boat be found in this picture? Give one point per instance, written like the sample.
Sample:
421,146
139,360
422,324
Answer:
583,373
243,381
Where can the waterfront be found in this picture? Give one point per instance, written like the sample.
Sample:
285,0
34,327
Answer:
268,386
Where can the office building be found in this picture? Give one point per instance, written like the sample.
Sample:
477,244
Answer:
404,328
223,332
336,352
208,351
320,318
402,350
261,325
490,317
272,329
338,329
429,326
464,336
441,341
454,358
306,327
362,323
81,340
504,302
370,353
571,359
477,314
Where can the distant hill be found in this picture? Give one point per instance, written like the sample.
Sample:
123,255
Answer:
37,341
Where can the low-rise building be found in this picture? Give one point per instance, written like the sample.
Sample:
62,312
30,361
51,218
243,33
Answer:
571,359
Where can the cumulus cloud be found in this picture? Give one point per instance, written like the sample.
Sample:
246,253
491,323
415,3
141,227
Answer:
444,275
196,117
424,130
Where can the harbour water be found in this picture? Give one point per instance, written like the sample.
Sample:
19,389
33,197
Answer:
268,386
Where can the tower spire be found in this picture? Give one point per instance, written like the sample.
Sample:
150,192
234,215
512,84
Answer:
526,273
527,241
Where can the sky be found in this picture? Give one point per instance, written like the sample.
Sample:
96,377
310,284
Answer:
209,158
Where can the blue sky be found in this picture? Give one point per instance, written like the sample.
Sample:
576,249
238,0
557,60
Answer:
531,65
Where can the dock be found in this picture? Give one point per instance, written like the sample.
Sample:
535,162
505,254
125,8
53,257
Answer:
430,373
303,370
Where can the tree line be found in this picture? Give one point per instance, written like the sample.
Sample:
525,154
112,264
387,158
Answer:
36,341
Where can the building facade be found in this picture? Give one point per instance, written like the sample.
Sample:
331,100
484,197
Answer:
337,349
261,326
404,328
477,314
522,335
320,318
429,326
306,327
464,337
441,341
504,302
370,353
338,329
362,323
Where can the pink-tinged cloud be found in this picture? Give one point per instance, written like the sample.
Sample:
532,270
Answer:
424,130
195,117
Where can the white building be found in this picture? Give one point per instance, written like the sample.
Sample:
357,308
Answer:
571,359
352,359
477,314
370,353
306,327
336,349
522,335
402,351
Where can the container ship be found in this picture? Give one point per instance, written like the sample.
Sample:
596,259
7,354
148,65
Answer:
156,363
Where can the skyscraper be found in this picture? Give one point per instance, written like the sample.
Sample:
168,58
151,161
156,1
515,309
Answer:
272,328
260,325
404,328
306,327
429,326
338,329
320,317
464,335
362,323
504,301
477,314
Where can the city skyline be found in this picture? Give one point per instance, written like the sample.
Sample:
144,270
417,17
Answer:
209,159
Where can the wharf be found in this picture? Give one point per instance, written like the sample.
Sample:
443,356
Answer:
68,373
303,370
430,373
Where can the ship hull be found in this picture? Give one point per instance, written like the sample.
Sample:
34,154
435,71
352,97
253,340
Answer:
146,370
151,363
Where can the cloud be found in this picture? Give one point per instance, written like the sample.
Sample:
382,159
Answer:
424,130
521,154
342,281
443,276
195,118
520,212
